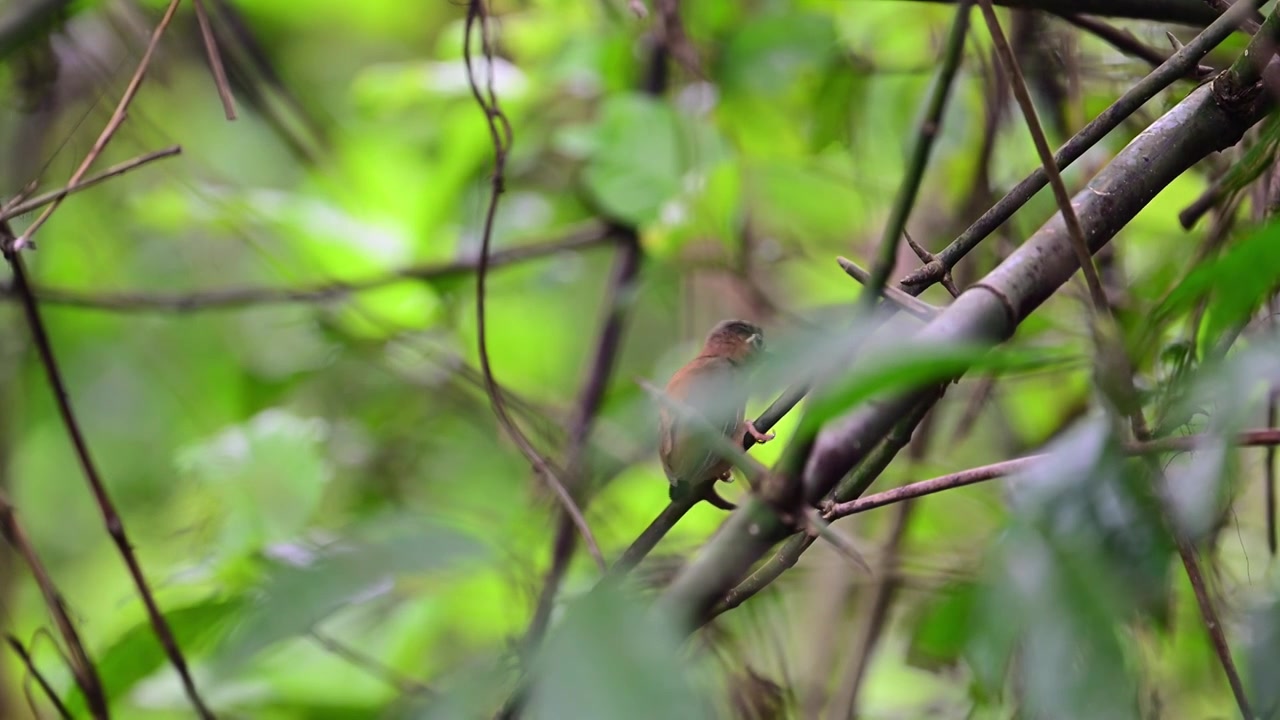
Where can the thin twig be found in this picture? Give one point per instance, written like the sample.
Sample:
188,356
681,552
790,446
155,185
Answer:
1267,437
111,518
1125,42
82,668
588,236
876,616
927,257
501,137
40,679
927,132
39,201
852,486
907,303
117,118
404,684
215,60
1013,73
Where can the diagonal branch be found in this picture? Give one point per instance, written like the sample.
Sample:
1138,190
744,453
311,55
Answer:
988,313
930,123
110,516
1162,77
620,293
1187,12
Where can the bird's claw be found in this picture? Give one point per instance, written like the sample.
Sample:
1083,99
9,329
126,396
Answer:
760,437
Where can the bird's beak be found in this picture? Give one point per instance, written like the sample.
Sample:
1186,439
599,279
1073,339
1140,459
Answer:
756,341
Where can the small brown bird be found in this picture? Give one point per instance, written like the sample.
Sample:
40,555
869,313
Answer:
714,385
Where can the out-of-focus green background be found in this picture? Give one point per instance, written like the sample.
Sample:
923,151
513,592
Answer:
307,480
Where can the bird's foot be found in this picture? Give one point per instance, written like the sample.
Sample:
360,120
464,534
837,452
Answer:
760,437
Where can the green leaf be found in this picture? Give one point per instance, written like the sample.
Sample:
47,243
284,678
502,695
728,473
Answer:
310,584
612,657
1235,283
636,166
944,627
840,91
905,368
136,654
1085,549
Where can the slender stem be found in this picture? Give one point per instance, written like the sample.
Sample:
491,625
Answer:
39,201
926,133
109,131
110,516
1019,85
501,136
43,682
621,289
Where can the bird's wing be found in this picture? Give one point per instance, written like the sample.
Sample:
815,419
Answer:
712,388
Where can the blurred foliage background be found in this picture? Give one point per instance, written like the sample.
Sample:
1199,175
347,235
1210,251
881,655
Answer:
314,481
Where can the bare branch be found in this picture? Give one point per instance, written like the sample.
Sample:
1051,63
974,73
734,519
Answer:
108,132
587,236
110,516
215,60
27,205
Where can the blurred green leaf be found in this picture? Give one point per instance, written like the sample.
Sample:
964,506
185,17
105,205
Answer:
265,478
137,653
767,54
908,367
611,657
1261,636
306,584
1235,284
636,166
943,627
841,90
1086,548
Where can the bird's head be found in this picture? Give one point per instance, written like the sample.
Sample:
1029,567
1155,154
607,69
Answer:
737,340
